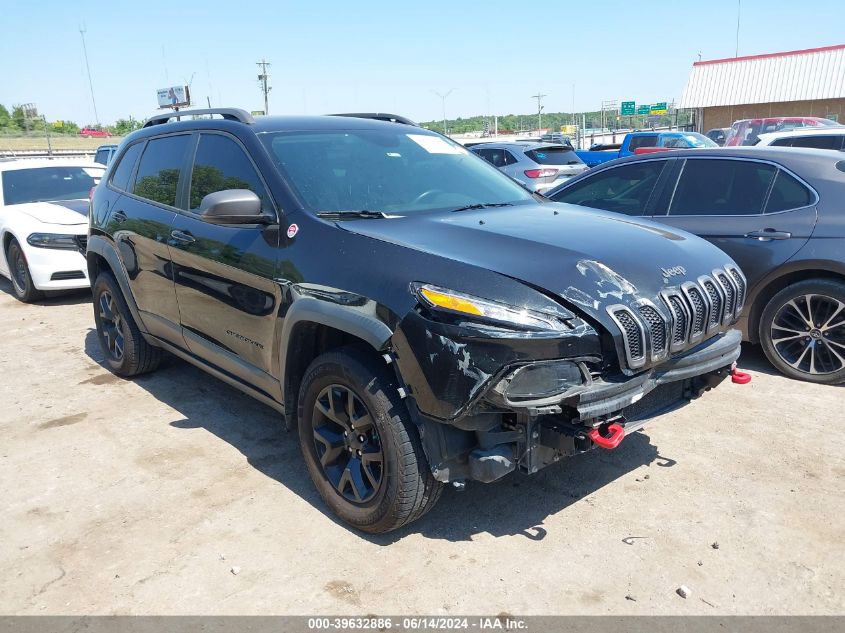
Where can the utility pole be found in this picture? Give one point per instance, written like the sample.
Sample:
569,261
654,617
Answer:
443,99
738,11
263,77
539,98
88,68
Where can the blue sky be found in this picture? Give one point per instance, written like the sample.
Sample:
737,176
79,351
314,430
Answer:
331,56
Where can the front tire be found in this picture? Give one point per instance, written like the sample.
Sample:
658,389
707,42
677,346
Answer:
22,284
360,446
802,331
124,348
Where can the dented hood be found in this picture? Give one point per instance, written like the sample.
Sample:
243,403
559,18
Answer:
591,259
56,212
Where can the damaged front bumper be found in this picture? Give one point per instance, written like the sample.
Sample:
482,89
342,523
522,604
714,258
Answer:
478,419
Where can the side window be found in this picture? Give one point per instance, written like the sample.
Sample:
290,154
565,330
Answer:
721,187
123,170
787,193
643,141
102,156
221,164
510,159
624,189
485,154
819,142
782,142
160,167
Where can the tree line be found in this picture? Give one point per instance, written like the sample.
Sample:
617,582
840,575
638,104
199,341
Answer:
522,123
16,121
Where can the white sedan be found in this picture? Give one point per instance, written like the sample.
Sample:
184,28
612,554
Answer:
44,223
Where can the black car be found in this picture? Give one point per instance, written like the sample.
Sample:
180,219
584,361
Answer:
777,212
417,315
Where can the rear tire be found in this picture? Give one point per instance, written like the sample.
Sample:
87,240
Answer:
22,284
802,331
375,477
125,350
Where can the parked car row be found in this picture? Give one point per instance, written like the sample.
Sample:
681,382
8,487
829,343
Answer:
417,315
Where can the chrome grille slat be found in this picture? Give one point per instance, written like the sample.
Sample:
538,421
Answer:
683,317
656,325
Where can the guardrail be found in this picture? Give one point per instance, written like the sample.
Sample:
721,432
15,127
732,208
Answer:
43,153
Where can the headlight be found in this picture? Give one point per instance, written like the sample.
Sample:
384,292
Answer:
53,240
484,309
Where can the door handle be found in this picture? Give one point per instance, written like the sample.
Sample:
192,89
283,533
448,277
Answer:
119,216
182,236
767,235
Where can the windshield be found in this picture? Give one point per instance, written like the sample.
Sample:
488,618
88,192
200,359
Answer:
40,184
554,156
394,170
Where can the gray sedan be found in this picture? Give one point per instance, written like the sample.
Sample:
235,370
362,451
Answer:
538,166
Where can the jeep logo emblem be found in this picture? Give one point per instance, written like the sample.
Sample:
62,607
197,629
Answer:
674,271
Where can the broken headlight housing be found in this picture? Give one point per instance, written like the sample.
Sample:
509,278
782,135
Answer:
458,303
540,380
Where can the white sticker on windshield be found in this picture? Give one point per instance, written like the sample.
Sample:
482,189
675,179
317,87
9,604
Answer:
435,144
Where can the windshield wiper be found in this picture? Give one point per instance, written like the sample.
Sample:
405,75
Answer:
362,213
484,205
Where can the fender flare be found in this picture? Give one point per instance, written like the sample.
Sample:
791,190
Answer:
99,245
351,320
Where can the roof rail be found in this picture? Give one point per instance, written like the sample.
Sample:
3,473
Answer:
378,116
230,114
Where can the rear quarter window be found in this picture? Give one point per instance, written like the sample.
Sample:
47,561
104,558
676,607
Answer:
123,170
788,193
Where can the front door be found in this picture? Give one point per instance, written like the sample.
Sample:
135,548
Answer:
224,274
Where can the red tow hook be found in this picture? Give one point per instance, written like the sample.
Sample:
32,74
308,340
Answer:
617,433
739,377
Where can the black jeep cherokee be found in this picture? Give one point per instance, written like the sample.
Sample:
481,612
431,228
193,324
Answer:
418,315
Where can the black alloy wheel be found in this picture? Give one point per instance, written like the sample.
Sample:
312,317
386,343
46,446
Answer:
22,284
124,348
347,444
112,326
361,448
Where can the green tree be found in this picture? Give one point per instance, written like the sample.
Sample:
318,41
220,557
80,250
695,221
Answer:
5,117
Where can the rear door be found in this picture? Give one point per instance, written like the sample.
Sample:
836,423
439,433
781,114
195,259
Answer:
224,274
755,211
139,223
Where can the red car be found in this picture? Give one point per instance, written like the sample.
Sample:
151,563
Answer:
90,132
747,131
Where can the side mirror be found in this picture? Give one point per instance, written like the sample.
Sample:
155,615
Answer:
232,206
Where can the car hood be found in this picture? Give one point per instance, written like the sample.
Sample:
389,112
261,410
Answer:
592,259
69,212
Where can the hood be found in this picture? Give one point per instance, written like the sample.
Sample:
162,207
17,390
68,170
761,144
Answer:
592,259
57,212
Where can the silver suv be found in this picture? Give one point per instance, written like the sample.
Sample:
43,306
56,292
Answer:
538,166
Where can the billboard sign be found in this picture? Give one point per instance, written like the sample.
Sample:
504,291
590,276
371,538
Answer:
173,97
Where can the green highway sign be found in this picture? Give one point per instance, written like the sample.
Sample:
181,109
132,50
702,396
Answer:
659,108
644,109
628,108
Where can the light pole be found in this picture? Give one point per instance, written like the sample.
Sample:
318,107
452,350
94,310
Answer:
443,99
88,69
